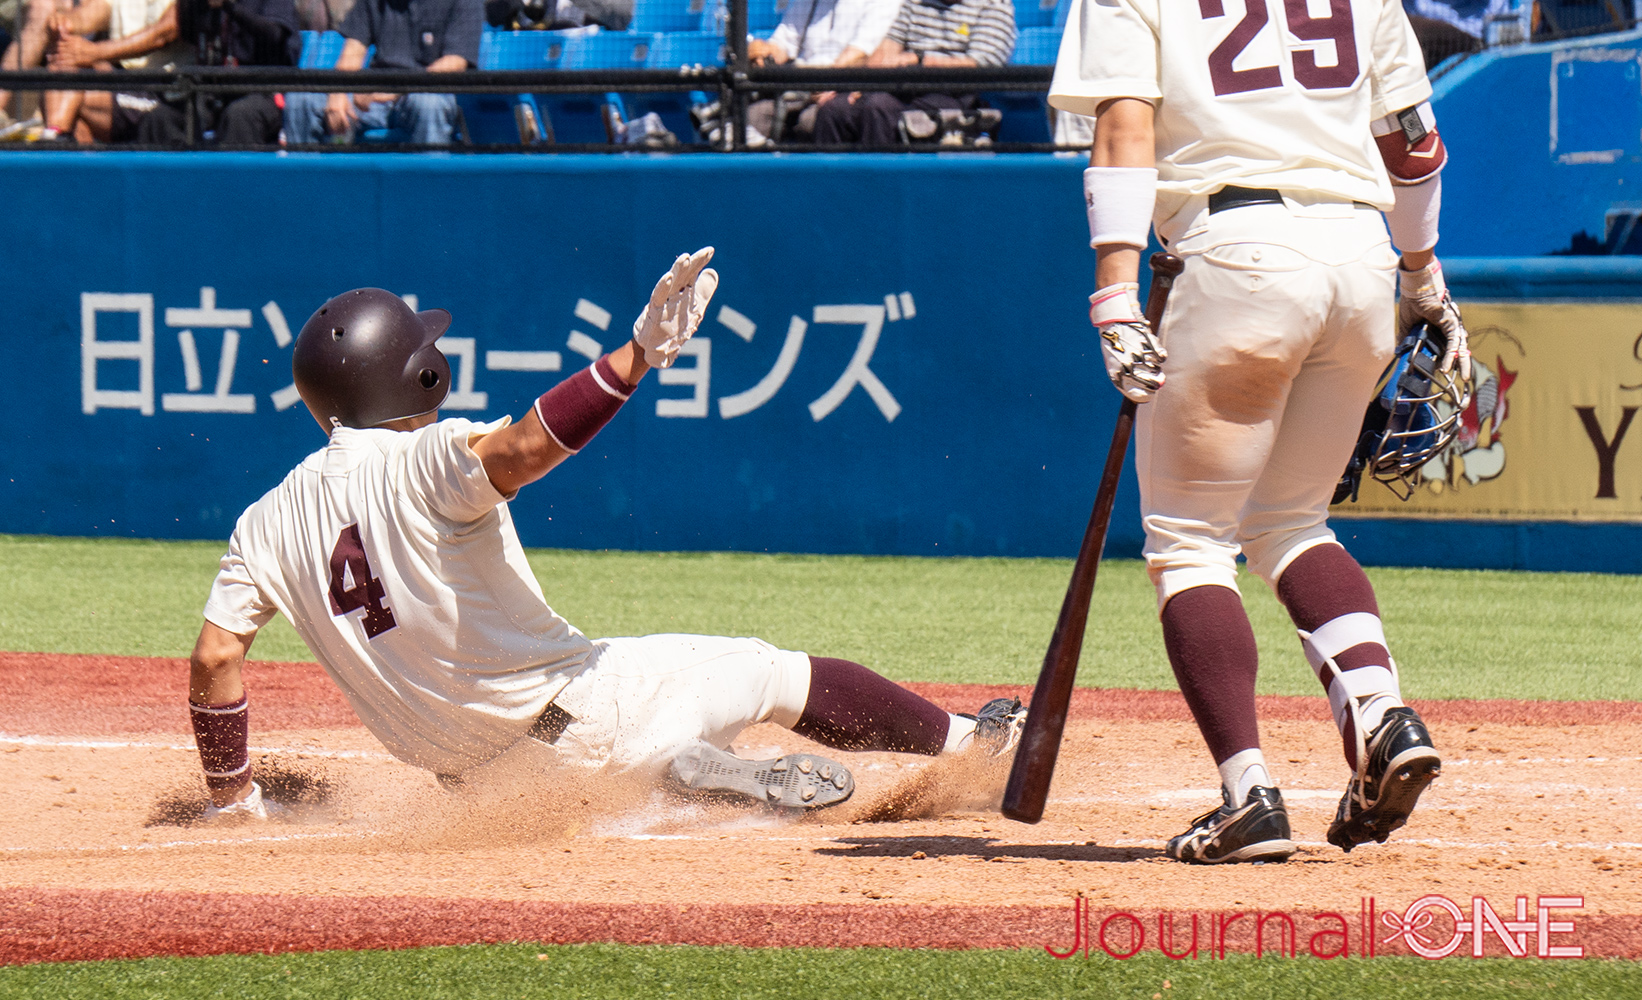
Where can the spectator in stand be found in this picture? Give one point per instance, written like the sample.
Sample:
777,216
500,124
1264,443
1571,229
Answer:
322,15
28,49
141,34
925,33
835,33
228,33
440,36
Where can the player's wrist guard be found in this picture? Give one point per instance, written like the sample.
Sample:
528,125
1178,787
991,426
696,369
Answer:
579,407
223,734
1120,201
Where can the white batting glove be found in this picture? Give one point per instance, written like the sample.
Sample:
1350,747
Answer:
676,308
1425,296
250,809
1134,356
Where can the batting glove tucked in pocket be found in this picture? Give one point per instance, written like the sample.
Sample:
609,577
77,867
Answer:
1425,296
1134,357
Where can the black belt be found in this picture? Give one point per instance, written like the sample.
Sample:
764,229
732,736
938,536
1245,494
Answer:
1231,196
551,724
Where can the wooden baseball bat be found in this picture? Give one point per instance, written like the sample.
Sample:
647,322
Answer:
1028,788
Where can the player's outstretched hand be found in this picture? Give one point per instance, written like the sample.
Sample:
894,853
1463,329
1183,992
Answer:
1425,296
1134,356
250,809
676,308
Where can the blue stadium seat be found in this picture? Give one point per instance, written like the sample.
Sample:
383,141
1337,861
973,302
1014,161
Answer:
320,49
764,15
651,16
672,51
1062,10
1578,17
1025,116
521,50
607,50
685,48
1035,13
1036,46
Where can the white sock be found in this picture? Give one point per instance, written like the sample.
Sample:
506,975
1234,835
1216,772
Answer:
1372,709
960,732
1241,772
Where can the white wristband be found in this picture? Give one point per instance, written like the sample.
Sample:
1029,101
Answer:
1120,201
1413,220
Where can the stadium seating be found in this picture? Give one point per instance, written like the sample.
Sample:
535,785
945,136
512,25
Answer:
685,48
654,16
1036,46
1035,13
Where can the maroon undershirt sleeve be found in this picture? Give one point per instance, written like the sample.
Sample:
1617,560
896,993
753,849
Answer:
578,408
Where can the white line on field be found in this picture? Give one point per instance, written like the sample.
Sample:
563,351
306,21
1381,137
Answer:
173,844
46,741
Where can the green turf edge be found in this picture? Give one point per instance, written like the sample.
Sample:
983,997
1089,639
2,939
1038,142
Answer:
622,972
1455,633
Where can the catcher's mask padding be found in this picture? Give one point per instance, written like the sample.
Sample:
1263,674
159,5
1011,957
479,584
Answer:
365,358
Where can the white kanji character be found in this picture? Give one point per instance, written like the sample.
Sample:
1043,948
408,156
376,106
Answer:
93,350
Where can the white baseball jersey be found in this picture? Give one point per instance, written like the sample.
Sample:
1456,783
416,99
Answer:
396,560
1256,93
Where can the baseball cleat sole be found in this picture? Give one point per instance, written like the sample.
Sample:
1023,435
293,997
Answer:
796,781
1267,850
1405,780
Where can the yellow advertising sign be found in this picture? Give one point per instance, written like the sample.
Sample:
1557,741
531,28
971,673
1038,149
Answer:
1550,433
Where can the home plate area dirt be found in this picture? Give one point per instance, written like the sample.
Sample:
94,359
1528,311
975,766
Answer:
1526,843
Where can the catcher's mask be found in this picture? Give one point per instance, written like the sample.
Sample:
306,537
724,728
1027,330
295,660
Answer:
366,358
1413,416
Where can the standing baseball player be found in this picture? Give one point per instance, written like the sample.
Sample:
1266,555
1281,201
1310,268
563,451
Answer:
1264,143
392,552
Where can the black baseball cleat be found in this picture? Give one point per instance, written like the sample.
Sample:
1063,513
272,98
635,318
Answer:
998,725
1400,762
796,781
1258,830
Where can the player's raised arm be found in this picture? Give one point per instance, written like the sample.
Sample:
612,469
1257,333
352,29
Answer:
567,416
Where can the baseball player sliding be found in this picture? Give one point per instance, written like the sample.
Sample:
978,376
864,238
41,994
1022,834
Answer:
392,552
1263,142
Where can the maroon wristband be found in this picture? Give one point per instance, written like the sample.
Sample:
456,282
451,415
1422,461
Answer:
577,408
223,733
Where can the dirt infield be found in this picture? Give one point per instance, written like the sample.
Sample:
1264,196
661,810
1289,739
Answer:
98,856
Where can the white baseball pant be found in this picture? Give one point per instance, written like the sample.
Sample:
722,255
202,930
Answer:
643,699
1277,331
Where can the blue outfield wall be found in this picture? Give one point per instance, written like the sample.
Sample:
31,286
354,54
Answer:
904,364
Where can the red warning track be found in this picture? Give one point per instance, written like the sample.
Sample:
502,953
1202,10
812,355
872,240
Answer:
64,925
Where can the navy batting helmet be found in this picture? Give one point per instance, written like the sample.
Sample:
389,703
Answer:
1411,420
366,358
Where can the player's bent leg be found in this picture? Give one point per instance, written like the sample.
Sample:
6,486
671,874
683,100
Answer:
669,705
1387,745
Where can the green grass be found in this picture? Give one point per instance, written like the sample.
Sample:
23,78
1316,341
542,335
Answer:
1456,633
594,972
